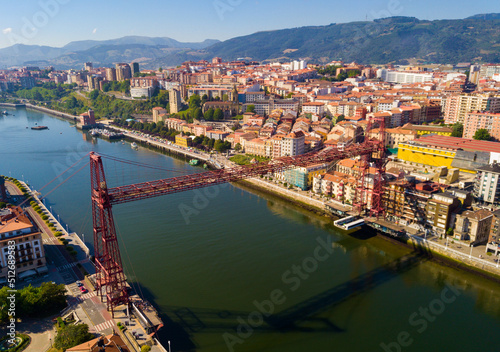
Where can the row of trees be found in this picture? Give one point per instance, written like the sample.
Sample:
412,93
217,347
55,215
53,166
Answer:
116,86
154,129
47,92
330,73
160,130
32,301
203,142
71,335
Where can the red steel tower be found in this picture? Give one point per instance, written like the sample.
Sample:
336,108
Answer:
109,270
377,207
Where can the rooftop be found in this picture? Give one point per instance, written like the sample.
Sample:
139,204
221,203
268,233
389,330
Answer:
456,143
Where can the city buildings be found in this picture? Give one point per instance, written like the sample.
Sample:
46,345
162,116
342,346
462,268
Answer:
473,226
458,106
87,118
20,237
482,120
175,101
486,183
293,144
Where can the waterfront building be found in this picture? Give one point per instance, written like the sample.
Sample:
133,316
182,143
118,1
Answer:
439,211
183,141
486,183
473,226
87,118
17,227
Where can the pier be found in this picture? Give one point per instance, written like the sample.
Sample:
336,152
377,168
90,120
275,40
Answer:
349,223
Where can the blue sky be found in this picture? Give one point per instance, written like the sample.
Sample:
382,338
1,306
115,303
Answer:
58,22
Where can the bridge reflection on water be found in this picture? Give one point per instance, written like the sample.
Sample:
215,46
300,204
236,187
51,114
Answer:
304,317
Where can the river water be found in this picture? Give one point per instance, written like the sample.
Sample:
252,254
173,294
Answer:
234,270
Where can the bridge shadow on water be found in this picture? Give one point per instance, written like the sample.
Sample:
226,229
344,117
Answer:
180,323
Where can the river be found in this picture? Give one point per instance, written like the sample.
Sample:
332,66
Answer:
218,261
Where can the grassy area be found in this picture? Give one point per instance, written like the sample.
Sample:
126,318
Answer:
53,349
243,159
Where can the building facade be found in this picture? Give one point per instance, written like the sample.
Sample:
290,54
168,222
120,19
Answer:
22,239
487,185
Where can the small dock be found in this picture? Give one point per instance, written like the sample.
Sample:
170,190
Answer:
349,223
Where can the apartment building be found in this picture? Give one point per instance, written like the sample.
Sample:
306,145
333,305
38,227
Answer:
293,144
458,106
18,233
478,120
486,183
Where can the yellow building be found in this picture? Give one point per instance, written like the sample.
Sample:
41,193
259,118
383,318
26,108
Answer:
425,155
421,130
183,141
313,171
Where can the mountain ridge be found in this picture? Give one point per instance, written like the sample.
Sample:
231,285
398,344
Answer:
387,40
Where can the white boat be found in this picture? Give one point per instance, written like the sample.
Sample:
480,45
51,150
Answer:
134,145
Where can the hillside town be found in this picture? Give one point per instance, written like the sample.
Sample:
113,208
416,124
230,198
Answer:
442,124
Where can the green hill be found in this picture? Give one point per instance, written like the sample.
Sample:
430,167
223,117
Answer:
381,41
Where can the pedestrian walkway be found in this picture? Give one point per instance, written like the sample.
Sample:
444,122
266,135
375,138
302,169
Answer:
80,299
103,326
66,266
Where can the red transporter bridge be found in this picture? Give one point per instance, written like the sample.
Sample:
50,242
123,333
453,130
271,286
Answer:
110,277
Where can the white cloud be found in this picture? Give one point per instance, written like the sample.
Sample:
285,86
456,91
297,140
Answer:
94,31
7,30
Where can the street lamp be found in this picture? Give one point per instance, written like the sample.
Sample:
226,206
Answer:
169,350
470,255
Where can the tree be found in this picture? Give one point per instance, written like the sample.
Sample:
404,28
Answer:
482,134
225,97
218,115
72,335
94,94
237,147
145,348
197,114
458,130
251,108
340,118
209,114
194,101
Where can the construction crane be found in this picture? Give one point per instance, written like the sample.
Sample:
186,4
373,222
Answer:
110,277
